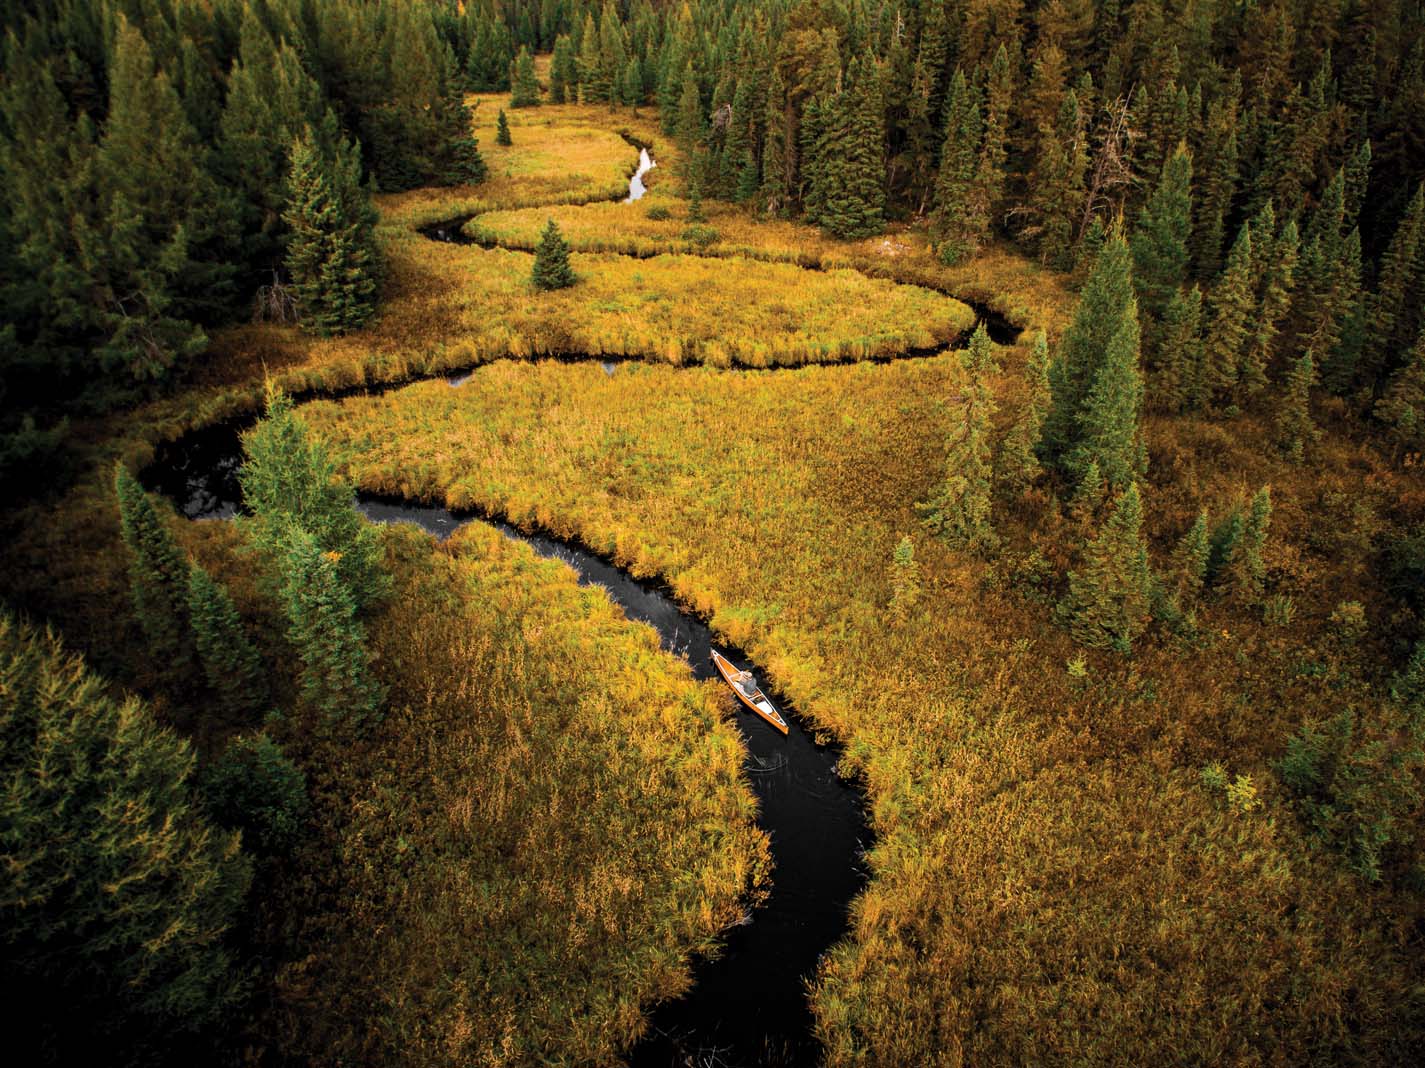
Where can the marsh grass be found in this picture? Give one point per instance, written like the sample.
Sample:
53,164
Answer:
1050,875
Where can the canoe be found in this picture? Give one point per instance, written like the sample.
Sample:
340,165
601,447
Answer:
756,700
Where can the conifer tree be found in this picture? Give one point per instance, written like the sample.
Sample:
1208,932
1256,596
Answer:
1088,494
551,260
255,788
1105,308
1342,330
1395,307
1160,245
502,129
905,580
563,72
1219,173
1230,305
158,576
288,480
119,894
1018,465
1177,376
1278,274
959,510
1402,407
851,178
331,249
230,663
990,170
1108,421
1190,559
776,177
524,90
690,125
1108,601
1295,427
1057,183
980,356
323,628
595,83
957,219
1247,568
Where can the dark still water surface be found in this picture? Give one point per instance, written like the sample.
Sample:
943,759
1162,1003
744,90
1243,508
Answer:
749,1006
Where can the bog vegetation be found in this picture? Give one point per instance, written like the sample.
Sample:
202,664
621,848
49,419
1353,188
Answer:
1119,623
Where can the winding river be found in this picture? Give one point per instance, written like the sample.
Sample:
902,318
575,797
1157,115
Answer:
749,1005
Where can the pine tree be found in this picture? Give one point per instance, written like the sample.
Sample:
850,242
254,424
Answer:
1190,560
158,576
255,788
563,72
905,580
330,253
1396,315
775,190
990,171
322,627
551,260
1018,465
1105,307
1108,421
1295,428
1108,601
1088,494
287,481
1278,274
1177,376
119,895
1057,184
980,356
502,129
959,510
957,220
230,663
690,125
851,188
1219,174
1230,305
1247,568
1402,407
1160,245
524,92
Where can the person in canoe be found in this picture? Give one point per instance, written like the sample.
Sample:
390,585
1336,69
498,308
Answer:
746,683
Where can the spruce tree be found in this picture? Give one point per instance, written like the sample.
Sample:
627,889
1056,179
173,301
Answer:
1295,427
230,663
1057,184
288,480
1395,307
1160,245
957,219
1105,309
1247,568
1190,560
774,193
980,356
690,124
551,260
563,72
851,182
158,576
994,152
502,129
255,788
330,253
1108,422
1018,465
524,86
1218,180
1176,378
959,510
1230,306
323,628
1108,601
1402,407
119,895
1278,277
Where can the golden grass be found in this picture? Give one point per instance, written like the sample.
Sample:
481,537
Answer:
1052,882
553,817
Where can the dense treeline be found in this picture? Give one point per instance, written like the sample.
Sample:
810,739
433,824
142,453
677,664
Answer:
148,149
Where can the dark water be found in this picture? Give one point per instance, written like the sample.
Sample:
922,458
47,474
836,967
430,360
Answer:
748,1006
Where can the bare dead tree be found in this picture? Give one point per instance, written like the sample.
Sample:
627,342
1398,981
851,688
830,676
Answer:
1112,174
275,303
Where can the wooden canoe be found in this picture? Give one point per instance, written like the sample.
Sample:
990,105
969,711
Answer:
756,700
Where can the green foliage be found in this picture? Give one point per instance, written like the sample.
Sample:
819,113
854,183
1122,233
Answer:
119,895
563,72
1177,375
1248,567
699,236
1190,559
1057,184
158,577
1296,430
904,579
230,663
288,481
848,170
958,512
1089,420
256,789
331,254
959,216
525,86
337,683
1402,408
551,261
980,356
1160,244
1017,466
502,130
1396,319
1108,601
1229,308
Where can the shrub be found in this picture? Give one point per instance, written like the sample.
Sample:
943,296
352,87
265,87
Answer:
1348,621
658,213
1278,610
701,236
